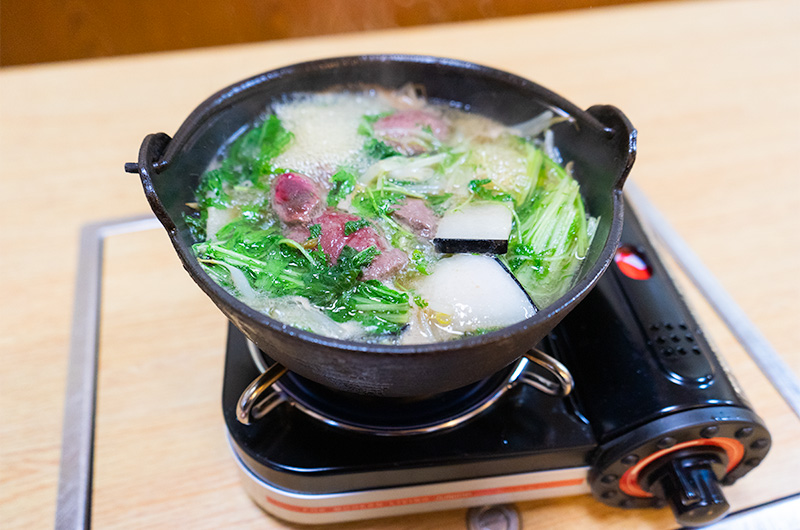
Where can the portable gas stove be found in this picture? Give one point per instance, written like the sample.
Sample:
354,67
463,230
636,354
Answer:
654,419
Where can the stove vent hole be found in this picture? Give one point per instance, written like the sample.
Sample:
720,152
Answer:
672,340
678,350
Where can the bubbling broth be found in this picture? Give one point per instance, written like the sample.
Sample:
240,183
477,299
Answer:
384,217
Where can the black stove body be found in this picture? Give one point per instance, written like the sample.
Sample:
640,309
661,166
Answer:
654,419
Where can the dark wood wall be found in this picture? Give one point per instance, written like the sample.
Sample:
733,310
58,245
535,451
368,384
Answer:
34,31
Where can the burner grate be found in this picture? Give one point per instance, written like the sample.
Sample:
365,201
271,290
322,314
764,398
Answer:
382,415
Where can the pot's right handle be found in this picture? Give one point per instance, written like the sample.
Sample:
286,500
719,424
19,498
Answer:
561,383
621,133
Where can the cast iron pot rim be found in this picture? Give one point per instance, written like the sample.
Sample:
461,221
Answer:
229,95
167,148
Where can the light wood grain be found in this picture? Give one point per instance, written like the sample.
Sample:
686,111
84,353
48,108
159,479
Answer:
711,86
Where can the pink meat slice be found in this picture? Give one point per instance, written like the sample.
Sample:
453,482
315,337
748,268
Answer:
404,130
390,261
296,198
333,239
299,233
417,216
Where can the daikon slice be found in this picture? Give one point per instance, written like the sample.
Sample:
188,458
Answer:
325,129
468,293
482,227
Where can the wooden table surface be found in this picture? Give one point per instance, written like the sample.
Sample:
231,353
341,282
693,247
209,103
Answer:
711,86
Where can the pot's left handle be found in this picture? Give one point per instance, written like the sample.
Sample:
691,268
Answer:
150,153
150,163
259,395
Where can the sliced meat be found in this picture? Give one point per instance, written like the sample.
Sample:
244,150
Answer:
297,232
296,198
411,132
416,216
385,264
333,239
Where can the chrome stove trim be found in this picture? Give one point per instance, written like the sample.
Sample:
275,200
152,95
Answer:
74,501
316,508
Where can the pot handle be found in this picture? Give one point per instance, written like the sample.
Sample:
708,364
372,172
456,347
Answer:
561,383
621,133
259,398
150,153
148,166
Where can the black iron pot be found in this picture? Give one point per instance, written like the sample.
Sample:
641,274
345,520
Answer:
600,141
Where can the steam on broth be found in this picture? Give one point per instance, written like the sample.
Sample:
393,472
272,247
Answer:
383,217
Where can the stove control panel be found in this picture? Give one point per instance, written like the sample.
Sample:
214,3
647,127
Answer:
673,336
670,426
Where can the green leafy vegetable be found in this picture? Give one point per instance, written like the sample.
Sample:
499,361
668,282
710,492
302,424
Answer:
375,306
420,262
248,158
211,189
265,258
378,149
374,147
248,259
274,138
366,128
343,182
351,227
478,188
250,155
323,286
196,223
438,202
376,202
552,236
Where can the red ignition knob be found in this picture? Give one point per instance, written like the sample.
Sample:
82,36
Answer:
632,264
